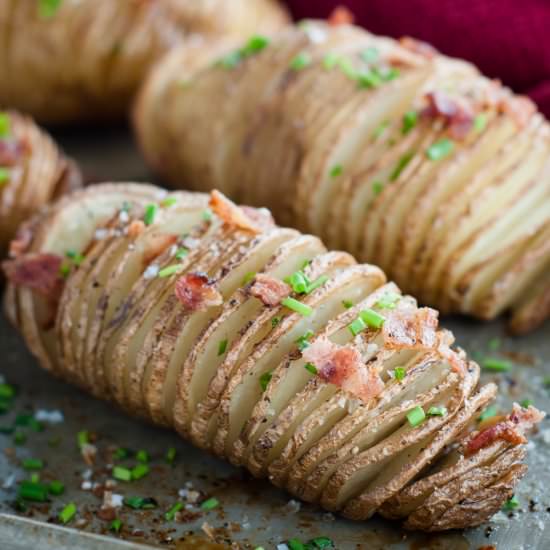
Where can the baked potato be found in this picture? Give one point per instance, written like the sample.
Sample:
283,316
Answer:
404,157
69,60
255,342
33,171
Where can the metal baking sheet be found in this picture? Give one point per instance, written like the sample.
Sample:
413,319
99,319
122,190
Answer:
251,512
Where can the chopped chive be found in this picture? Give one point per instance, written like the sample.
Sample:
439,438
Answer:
48,8
56,488
265,379
298,281
82,438
28,420
380,130
32,464
181,253
207,215
7,391
301,61
168,202
121,453
254,45
494,344
295,544
372,318
76,257
410,118
388,300
169,271
122,474
35,478
37,492
489,412
399,373
303,341
368,79
346,66
19,438
142,456
298,307
222,346
401,165
320,281
174,509
511,504
321,543
275,321
210,504
480,122
4,175
526,403
231,60
388,74
310,367
336,171
139,471
416,416
116,525
140,503
347,304
65,269
249,277
439,149
68,513
377,187
437,411
370,55
171,455
330,61
357,326
496,365
150,214
4,125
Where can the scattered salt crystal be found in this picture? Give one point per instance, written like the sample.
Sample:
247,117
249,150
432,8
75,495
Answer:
282,546
372,348
151,272
328,517
50,417
86,486
101,234
293,506
182,493
124,217
355,450
87,474
500,517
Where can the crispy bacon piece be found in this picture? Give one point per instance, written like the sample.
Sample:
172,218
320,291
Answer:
519,108
196,292
457,112
22,241
418,46
411,329
159,243
231,214
513,429
136,228
269,290
341,15
38,272
343,367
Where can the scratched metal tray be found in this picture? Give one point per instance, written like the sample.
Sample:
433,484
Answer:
251,512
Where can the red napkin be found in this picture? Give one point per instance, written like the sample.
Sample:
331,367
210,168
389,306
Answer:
506,39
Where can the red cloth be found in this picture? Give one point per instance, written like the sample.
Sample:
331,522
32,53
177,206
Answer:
506,39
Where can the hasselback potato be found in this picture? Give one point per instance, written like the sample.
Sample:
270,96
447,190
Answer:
404,157
67,60
33,171
255,342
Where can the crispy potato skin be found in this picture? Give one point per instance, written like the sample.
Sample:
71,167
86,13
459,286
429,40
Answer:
439,175
85,60
231,375
37,173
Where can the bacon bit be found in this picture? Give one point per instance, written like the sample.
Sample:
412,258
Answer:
269,290
418,46
341,15
343,367
513,429
135,229
159,243
106,514
196,292
230,213
457,112
411,329
38,272
519,108
22,241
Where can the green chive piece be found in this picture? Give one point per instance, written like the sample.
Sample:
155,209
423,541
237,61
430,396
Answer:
255,45
368,79
387,74
480,122
19,438
4,125
401,165
330,61
7,391
142,456
310,367
68,513
377,187
370,55
372,318
298,307
320,281
249,277
169,271
168,202
321,543
121,453
207,215
140,503
380,130
82,438
265,379
36,492
75,257
210,504
526,403
301,61
181,253
511,504
347,304
489,412
115,526
496,365
336,171
171,513
494,344
303,341
275,321
139,471
48,8
346,66
437,411
222,346
416,416
32,464
35,478
399,373
295,544
410,118
171,455
388,300
231,60
298,281
122,474
357,326
440,149
4,175
150,214
56,488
